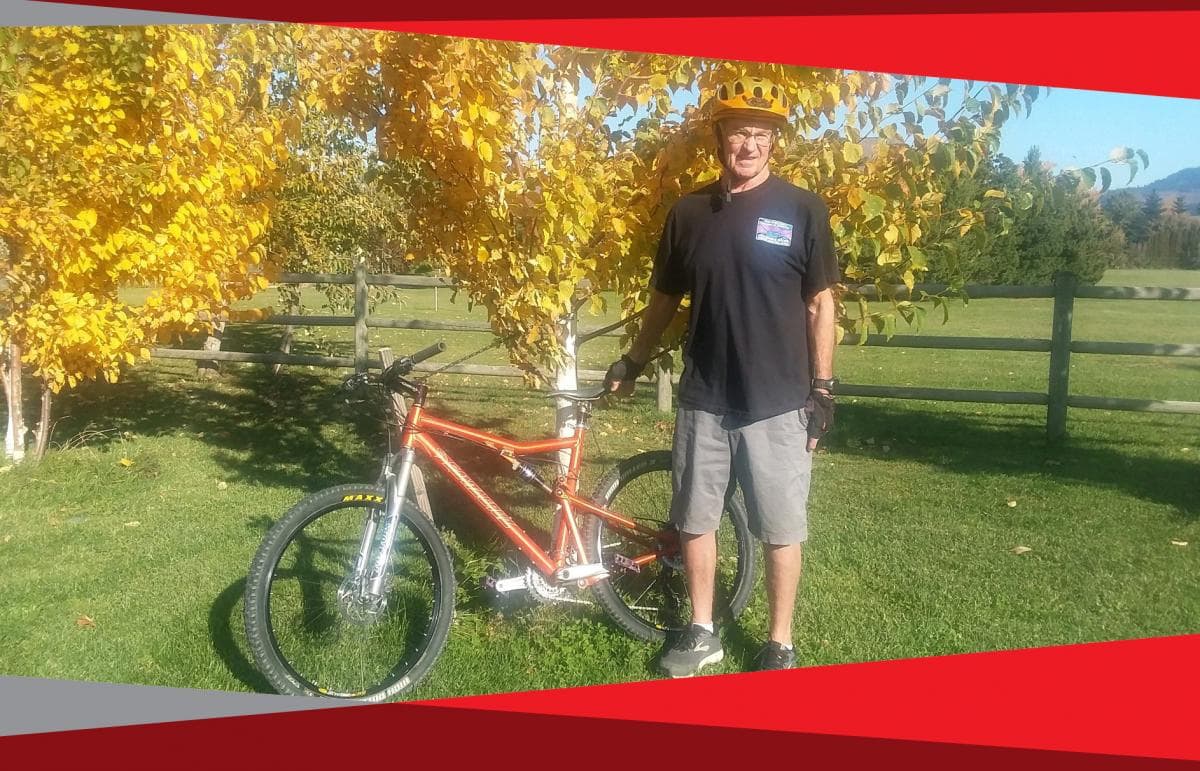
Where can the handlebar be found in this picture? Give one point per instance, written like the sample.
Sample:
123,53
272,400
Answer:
393,376
428,352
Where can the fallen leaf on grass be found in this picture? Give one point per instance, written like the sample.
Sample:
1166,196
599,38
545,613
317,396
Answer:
8,538
222,485
126,462
1012,503
1021,550
134,523
85,622
1173,543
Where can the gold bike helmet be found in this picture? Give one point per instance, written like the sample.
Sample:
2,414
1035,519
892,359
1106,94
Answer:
750,97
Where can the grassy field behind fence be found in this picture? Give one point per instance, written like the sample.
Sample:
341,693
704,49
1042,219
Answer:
134,572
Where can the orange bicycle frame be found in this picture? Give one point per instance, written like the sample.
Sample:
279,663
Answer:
419,425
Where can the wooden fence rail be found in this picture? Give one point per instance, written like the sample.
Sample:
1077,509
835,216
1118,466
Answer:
1060,345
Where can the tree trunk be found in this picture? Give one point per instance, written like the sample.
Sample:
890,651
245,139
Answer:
566,378
14,436
208,369
44,426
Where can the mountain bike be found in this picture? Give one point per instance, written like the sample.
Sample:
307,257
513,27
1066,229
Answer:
351,593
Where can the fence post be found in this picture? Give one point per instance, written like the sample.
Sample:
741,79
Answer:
662,376
1060,356
360,316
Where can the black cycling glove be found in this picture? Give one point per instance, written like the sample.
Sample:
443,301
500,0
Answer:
623,370
820,414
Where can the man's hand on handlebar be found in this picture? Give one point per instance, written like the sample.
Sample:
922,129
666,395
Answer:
622,375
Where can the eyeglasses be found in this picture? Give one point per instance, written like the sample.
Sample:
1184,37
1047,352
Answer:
742,136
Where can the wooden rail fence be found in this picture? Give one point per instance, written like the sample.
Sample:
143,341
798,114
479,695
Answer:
1060,345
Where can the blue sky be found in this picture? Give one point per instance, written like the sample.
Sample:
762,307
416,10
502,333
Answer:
1077,128
1073,127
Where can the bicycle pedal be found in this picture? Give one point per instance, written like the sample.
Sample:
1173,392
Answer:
623,562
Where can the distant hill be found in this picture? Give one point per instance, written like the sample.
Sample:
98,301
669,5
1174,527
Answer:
1185,183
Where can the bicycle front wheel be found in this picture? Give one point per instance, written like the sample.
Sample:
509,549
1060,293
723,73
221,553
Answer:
649,600
310,636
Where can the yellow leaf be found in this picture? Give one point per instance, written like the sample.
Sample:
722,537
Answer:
658,81
618,225
126,462
86,219
485,151
481,254
22,101
467,136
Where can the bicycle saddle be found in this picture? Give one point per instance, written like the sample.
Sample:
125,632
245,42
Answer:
580,395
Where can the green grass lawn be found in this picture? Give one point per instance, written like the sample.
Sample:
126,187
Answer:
133,572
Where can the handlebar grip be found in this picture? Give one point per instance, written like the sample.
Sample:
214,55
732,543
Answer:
426,353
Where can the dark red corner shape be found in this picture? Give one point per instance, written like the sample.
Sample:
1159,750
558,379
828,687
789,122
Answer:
1118,705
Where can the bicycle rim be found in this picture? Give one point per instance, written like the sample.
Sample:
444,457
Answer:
330,645
656,593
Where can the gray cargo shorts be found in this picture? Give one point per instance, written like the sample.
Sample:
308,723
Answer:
769,459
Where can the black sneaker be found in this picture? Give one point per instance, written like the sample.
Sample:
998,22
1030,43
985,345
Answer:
695,649
774,656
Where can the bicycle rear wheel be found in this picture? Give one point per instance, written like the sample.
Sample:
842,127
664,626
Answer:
309,637
650,601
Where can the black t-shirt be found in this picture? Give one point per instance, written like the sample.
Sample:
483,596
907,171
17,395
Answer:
750,265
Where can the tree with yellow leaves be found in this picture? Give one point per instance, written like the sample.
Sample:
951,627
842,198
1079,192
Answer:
555,167
128,156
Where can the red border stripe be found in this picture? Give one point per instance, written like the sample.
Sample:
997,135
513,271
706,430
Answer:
1051,49
315,11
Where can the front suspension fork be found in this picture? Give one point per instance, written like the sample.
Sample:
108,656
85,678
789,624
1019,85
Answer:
395,490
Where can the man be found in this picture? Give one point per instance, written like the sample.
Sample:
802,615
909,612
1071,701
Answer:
756,254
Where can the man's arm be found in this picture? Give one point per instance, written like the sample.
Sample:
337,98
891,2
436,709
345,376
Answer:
658,315
822,339
822,335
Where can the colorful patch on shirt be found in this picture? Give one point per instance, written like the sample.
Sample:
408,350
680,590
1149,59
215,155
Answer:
773,232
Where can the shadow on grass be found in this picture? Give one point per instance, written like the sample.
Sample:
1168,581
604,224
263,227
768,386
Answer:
264,429
224,642
1098,452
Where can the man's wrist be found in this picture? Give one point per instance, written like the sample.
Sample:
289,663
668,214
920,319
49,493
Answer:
826,384
632,365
